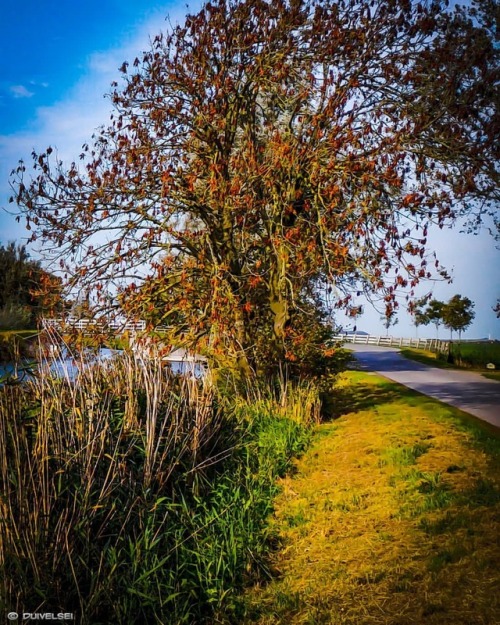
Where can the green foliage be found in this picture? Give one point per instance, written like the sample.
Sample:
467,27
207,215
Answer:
15,317
420,317
458,314
434,313
22,289
16,345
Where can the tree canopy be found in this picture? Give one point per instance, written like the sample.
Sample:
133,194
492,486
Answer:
26,289
433,313
266,154
458,314
455,314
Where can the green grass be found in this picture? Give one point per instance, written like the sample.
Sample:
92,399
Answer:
433,359
492,375
470,354
426,357
392,516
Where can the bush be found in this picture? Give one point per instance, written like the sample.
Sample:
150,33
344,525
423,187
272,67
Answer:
16,346
15,317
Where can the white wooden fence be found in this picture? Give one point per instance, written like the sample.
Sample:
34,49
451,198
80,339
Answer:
114,325
390,341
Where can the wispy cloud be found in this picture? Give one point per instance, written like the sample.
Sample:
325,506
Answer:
39,84
20,91
70,122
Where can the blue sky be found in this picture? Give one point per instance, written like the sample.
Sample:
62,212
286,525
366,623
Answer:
58,59
47,46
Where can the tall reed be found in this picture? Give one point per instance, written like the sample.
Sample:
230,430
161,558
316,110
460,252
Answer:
129,495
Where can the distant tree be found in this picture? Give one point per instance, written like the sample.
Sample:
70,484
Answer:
420,317
434,313
266,148
389,319
26,289
458,314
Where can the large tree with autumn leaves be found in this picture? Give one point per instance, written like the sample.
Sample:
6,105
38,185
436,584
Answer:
265,152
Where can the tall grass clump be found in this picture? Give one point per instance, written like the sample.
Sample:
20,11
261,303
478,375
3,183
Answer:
129,495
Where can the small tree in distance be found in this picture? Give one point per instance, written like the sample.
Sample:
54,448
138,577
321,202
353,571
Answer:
420,317
389,319
458,314
27,291
434,314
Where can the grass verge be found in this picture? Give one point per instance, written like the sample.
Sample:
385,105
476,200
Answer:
430,358
391,518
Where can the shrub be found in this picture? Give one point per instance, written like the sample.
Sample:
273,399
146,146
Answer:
15,317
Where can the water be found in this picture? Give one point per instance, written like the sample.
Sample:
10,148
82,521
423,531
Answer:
66,366
62,366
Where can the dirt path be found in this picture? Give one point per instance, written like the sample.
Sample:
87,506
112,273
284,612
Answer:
468,391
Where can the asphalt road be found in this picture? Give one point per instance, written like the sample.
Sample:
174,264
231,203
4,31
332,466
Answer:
468,391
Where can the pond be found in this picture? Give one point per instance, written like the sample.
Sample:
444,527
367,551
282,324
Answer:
67,366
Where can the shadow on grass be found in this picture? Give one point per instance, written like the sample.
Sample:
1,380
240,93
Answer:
363,396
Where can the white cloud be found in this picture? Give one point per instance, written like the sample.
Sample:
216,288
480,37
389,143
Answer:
39,84
20,91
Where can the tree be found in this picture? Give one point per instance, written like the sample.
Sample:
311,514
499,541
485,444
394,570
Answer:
420,317
496,309
389,320
265,150
434,313
458,314
26,289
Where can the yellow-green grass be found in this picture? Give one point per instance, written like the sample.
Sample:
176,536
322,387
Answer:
428,357
392,517
425,356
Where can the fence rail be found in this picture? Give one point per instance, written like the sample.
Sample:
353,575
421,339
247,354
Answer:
86,324
119,326
390,341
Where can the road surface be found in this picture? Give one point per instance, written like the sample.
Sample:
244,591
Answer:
468,391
